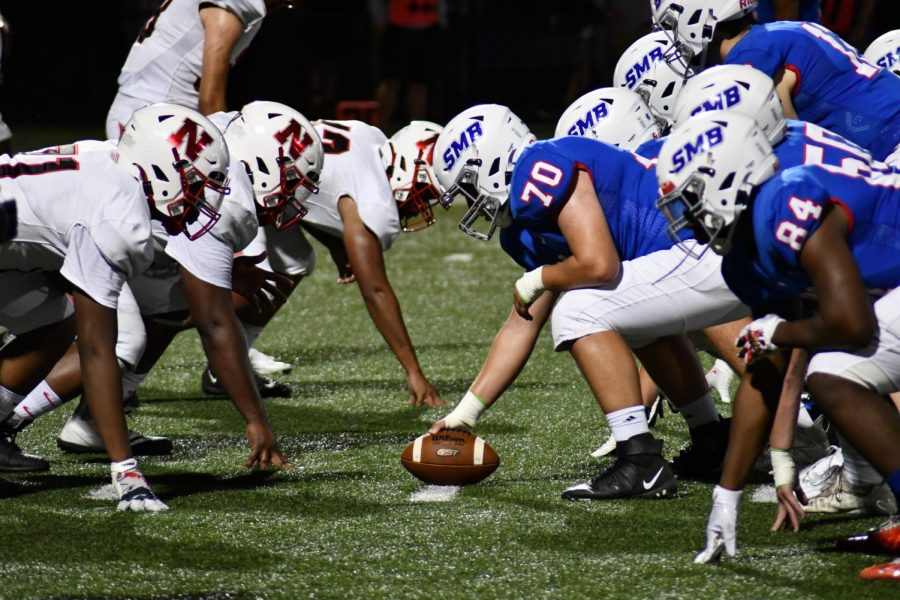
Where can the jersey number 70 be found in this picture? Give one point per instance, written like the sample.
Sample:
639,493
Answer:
545,173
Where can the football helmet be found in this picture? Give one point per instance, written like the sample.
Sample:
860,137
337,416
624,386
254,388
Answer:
181,159
408,158
645,67
707,170
885,51
739,88
283,155
691,25
474,159
613,115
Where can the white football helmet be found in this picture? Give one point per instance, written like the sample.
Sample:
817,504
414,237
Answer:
707,170
613,115
181,159
645,67
739,88
283,156
885,51
474,159
408,158
692,24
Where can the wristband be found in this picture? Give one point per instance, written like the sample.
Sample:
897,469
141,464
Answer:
782,467
466,413
530,285
129,464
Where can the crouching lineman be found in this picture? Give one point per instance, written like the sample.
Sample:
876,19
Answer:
84,227
597,248
832,229
371,189
195,272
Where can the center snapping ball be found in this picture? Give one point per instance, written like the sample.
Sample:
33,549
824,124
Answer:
449,458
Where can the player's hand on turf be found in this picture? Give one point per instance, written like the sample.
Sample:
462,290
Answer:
421,392
264,451
721,527
755,340
264,289
134,493
791,501
345,275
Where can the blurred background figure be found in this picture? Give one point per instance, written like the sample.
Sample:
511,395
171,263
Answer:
5,41
788,10
411,31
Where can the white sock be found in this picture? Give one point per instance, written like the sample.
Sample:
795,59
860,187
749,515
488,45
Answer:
628,422
41,400
699,412
130,382
857,470
252,332
8,401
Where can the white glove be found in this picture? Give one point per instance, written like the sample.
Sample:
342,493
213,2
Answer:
755,340
132,490
530,285
720,530
465,415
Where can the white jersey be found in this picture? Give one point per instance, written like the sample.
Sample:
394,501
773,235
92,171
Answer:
353,168
165,63
70,198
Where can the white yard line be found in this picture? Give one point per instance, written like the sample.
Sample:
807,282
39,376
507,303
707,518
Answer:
434,493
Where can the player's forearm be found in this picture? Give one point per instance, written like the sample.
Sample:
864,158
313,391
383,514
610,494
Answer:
842,331
782,435
510,351
225,347
384,308
573,273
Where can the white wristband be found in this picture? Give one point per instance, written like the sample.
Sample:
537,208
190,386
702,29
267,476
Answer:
783,468
466,413
128,464
530,285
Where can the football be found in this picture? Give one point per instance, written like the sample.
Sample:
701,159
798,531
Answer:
449,458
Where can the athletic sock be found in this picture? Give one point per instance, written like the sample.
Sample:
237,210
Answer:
130,382
628,422
856,470
41,400
699,412
252,332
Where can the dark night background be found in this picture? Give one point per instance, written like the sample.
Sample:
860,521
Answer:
534,55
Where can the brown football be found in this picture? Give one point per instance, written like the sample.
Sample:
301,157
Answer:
449,458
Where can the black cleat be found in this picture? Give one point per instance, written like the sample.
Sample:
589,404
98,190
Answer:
702,460
268,388
13,460
640,471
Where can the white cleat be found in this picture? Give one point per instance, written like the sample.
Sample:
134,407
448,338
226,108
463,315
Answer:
80,436
821,477
847,499
263,364
608,447
719,378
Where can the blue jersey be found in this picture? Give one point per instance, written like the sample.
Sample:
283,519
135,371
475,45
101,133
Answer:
626,187
809,144
836,88
532,251
650,148
808,9
788,210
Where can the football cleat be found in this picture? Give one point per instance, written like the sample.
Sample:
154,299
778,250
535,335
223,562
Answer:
883,572
846,498
13,460
268,388
884,539
80,436
263,364
640,471
703,459
605,449
821,476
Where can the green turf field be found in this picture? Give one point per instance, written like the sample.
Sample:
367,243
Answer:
342,524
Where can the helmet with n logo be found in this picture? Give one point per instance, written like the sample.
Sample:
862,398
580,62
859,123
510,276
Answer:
283,155
739,88
408,157
182,161
613,115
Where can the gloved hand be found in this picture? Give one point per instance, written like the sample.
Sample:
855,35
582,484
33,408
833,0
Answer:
720,530
755,340
132,489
